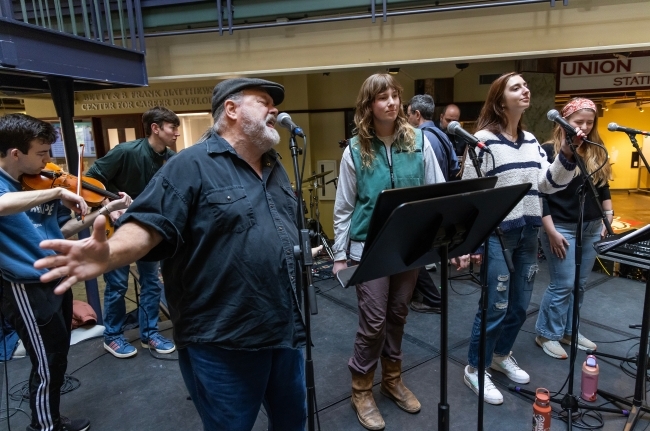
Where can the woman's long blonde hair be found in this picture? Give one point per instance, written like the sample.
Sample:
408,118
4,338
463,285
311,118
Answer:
592,155
363,118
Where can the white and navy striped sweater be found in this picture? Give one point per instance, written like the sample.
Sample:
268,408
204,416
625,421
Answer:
521,162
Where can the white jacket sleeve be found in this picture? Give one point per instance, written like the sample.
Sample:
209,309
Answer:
346,198
432,172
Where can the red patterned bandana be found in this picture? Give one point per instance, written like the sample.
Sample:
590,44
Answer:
576,105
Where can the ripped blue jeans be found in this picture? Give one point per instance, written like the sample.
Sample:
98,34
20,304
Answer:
508,294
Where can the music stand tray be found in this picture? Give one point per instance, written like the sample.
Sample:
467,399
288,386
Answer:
423,231
409,238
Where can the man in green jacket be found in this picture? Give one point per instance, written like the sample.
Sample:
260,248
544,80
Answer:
128,168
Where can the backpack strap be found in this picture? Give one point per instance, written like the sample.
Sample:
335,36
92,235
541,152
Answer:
441,137
447,146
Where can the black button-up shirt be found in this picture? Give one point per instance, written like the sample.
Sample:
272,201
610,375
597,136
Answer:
228,238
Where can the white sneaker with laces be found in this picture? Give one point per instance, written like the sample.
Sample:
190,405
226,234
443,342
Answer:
508,366
583,342
491,394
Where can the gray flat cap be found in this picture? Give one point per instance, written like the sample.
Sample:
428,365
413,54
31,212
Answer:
231,86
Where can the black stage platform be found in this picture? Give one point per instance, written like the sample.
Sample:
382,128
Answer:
145,393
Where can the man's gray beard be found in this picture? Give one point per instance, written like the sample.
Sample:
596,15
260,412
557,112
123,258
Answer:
262,136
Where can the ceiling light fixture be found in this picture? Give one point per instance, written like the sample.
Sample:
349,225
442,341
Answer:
393,70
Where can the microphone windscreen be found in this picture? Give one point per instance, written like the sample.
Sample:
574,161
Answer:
552,114
282,116
453,127
612,127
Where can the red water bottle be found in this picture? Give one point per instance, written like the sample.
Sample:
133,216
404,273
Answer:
589,383
542,410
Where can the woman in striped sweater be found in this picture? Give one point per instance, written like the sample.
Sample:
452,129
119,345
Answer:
516,158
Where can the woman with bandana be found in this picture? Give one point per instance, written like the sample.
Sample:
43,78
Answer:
558,234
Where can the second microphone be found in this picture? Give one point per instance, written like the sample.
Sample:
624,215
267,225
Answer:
285,121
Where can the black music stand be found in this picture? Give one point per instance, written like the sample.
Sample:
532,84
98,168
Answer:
423,231
607,248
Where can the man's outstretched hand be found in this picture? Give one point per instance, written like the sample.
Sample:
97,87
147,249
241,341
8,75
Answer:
76,260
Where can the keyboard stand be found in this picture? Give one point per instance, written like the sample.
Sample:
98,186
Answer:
638,404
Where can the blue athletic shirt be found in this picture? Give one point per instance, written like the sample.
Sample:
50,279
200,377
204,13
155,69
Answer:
21,233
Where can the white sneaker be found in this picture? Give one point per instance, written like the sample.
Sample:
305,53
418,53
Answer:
551,347
583,342
508,366
491,394
431,267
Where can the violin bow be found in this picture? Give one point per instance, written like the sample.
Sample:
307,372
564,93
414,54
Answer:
79,171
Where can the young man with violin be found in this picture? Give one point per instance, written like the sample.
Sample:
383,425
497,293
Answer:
41,318
128,168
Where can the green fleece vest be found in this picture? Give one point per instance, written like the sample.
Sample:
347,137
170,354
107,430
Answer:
407,170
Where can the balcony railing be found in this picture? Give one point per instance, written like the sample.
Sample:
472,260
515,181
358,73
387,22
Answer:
113,22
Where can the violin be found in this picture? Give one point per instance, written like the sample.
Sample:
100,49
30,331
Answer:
91,190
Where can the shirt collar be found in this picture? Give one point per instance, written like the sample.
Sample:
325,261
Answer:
216,144
10,178
152,151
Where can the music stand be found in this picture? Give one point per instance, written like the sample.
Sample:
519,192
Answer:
422,231
638,403
390,199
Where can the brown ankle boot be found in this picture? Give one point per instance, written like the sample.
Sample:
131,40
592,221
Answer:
393,387
363,403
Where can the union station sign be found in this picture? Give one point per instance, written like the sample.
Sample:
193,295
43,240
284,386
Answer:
604,74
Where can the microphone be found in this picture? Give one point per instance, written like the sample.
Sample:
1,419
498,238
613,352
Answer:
555,116
455,129
285,121
613,127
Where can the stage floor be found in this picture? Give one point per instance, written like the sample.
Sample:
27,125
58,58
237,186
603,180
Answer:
147,393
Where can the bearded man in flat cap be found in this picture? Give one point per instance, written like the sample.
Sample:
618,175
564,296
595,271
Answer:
221,216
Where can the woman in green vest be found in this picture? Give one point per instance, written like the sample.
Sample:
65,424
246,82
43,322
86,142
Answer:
386,153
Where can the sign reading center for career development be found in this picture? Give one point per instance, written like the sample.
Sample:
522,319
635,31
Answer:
142,99
605,74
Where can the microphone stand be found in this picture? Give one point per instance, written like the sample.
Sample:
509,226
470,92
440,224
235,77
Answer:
484,297
569,402
304,283
635,144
